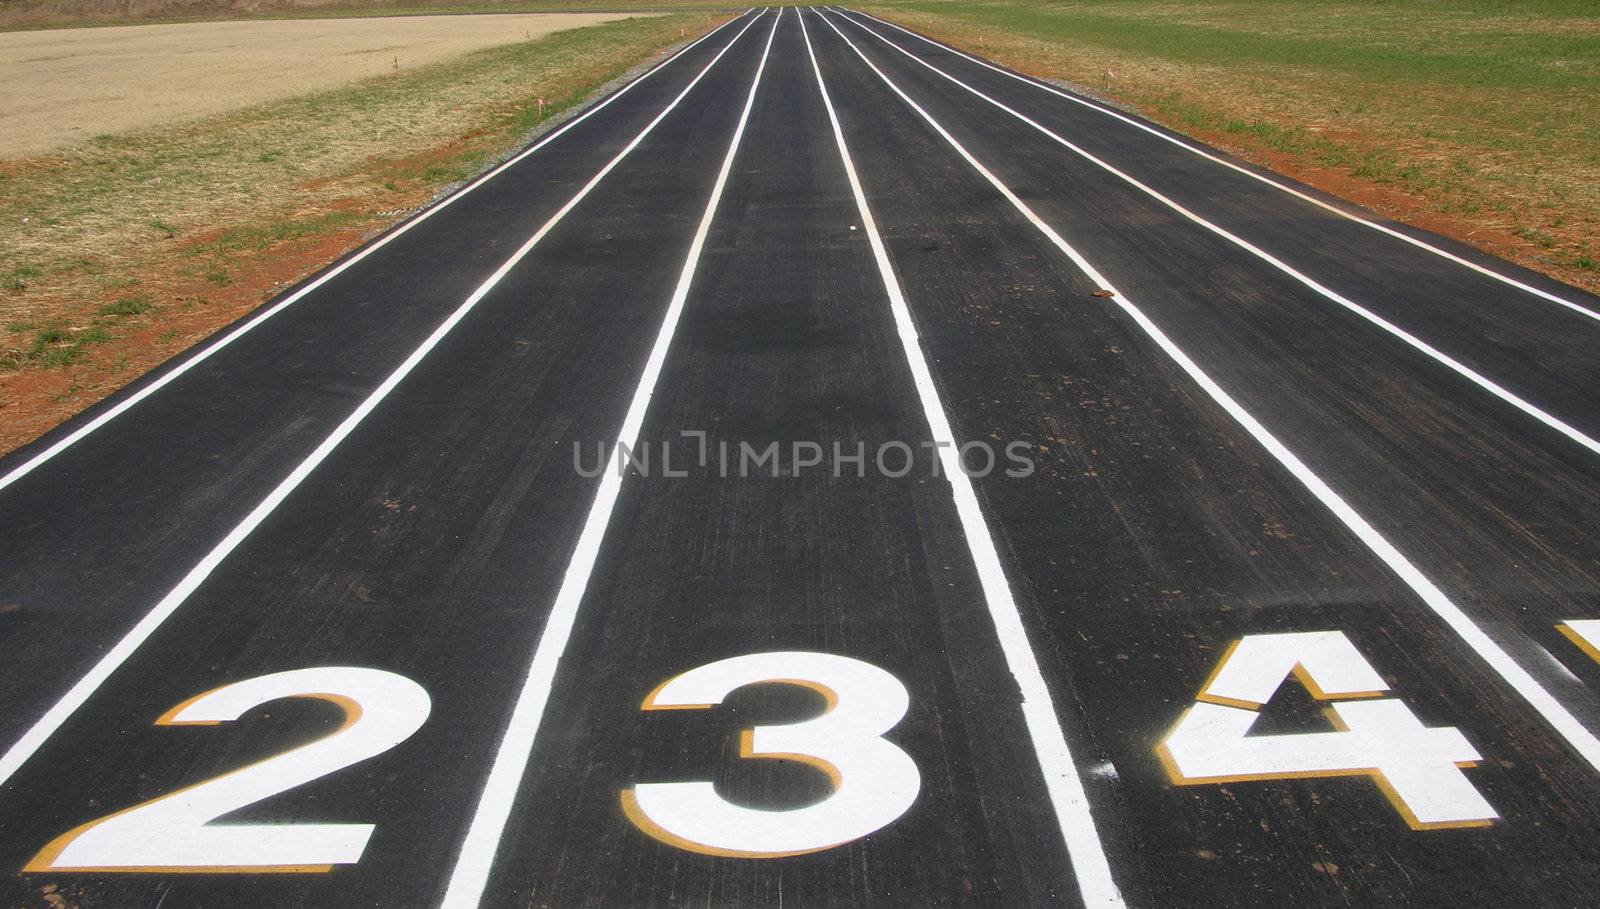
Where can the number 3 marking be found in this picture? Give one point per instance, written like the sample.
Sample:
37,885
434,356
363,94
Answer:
874,782
175,832
1417,767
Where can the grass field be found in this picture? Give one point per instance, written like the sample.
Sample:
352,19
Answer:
121,251
67,85
1478,118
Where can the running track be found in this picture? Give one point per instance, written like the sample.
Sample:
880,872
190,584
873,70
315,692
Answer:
331,605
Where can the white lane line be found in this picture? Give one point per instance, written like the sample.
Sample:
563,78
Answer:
1090,866
1110,112
1437,355
119,653
172,375
478,850
1560,719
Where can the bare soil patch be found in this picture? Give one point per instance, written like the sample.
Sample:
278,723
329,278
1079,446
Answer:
65,85
122,251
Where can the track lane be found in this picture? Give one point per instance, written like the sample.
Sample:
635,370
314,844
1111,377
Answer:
1535,351
112,522
787,336
421,547
1500,515
68,434
482,843
175,598
1261,190
1522,364
1155,535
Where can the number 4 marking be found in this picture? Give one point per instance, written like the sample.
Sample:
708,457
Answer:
1417,767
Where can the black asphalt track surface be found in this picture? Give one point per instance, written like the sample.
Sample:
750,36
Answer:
430,536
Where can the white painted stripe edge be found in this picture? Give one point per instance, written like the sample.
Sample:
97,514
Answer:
206,352
476,857
1091,866
1482,381
1494,656
30,742
1262,178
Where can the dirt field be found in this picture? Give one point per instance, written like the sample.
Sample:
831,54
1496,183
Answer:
63,86
123,250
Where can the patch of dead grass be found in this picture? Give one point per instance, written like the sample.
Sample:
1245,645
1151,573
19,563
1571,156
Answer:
202,223
66,85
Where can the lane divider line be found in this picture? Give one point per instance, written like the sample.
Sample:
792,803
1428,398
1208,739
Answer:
206,353
1498,660
1262,178
120,652
1424,347
476,858
1091,867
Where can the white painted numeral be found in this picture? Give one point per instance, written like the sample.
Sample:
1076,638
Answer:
176,832
1417,767
874,782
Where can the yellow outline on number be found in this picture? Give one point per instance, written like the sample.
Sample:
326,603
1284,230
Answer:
630,801
1298,671
44,861
1577,638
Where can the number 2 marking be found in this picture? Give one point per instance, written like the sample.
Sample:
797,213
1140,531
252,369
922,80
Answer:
1417,767
874,782
176,831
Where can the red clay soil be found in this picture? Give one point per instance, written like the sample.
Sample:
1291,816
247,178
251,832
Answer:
1399,205
32,401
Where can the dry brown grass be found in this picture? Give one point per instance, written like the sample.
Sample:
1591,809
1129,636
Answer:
66,85
36,14
122,251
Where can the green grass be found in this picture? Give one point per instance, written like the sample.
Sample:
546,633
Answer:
262,236
57,345
1487,109
136,305
220,199
18,277
54,347
1378,165
1374,41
